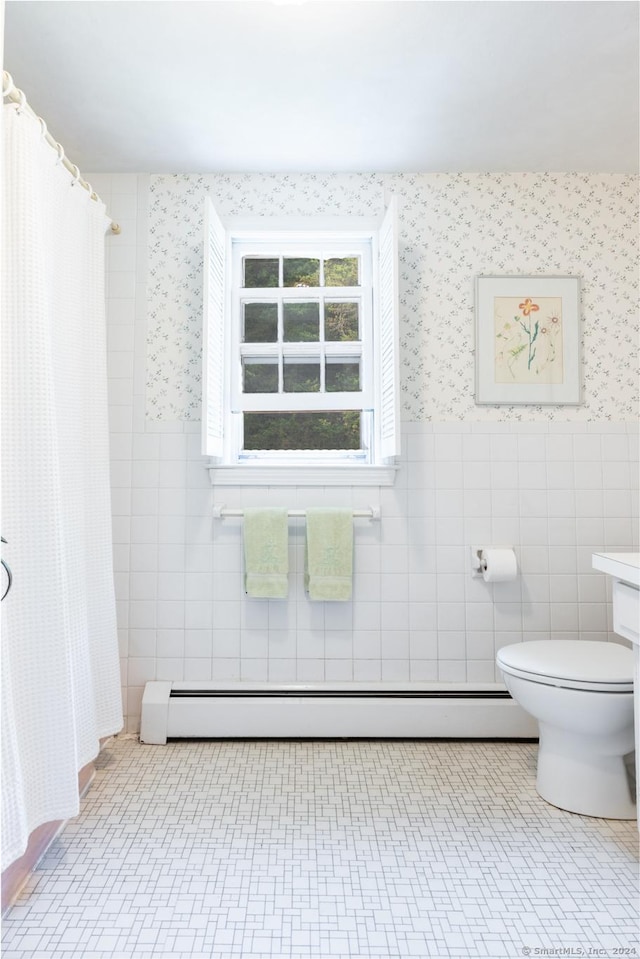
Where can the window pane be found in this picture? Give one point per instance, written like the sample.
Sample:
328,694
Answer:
260,323
300,272
341,321
342,376
342,271
301,322
260,376
301,376
335,430
260,271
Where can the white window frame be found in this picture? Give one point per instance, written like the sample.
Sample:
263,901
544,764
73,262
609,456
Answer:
323,246
223,400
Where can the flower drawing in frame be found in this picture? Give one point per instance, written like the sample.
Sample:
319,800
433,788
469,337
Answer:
527,340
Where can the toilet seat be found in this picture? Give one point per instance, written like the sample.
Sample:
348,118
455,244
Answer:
571,664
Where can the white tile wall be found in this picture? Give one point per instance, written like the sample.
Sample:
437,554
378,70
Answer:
555,491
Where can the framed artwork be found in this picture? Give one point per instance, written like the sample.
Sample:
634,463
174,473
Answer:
528,340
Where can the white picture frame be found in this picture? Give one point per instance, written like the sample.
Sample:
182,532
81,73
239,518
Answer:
528,341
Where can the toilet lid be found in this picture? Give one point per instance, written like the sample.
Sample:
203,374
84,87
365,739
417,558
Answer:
577,664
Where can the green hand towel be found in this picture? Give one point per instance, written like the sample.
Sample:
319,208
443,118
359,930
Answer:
266,553
329,554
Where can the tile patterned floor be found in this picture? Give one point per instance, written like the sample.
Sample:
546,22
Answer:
327,850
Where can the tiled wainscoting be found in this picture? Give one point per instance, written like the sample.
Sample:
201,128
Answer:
327,850
417,614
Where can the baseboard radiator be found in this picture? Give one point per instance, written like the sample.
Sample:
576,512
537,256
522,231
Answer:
242,710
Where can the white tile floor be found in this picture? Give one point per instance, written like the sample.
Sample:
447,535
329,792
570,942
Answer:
320,850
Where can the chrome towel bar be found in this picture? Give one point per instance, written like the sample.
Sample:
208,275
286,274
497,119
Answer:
224,512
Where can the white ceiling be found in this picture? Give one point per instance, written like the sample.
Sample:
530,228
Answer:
332,85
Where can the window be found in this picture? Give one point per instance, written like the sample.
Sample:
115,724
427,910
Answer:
300,349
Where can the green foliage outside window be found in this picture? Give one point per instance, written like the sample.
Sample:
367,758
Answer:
341,322
300,272
335,430
260,377
341,271
300,430
260,323
301,377
342,377
301,322
260,271
264,272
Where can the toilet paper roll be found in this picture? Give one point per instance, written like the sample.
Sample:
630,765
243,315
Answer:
502,566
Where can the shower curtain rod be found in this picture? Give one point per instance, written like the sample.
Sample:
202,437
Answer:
12,93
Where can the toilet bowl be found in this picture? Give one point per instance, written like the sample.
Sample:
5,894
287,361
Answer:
581,693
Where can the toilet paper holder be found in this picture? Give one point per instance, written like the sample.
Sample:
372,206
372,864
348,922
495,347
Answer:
478,560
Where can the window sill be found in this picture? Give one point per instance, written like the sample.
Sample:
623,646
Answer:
302,475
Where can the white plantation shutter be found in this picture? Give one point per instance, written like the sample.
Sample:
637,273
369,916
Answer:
388,311
213,341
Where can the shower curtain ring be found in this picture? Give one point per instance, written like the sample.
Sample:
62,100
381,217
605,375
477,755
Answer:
60,150
8,85
22,102
43,128
76,174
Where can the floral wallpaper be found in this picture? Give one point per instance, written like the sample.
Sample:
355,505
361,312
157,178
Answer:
452,228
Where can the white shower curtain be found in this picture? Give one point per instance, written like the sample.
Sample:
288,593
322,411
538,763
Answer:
60,674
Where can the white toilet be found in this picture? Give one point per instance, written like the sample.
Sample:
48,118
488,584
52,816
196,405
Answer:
581,693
